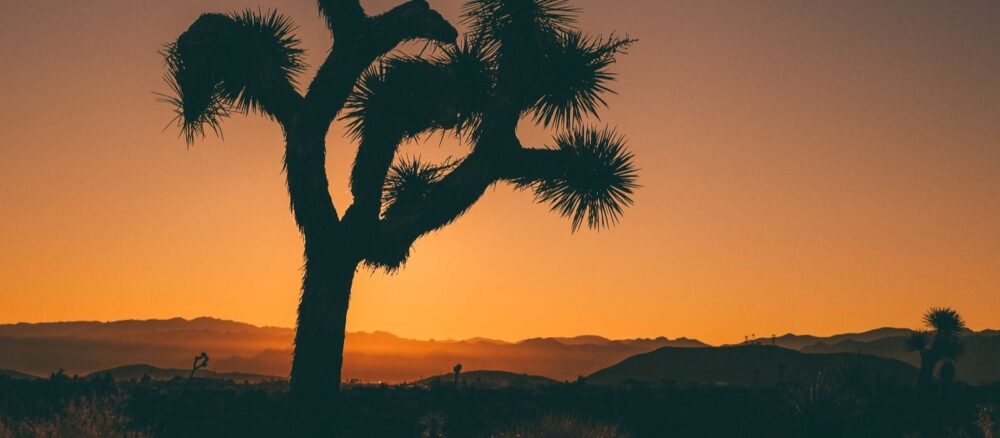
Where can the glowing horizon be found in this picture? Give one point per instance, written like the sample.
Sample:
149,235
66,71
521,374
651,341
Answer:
814,169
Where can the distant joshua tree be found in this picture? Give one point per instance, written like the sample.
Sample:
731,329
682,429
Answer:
522,58
457,370
200,361
943,344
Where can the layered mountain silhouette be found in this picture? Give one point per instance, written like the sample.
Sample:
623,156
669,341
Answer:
83,348
798,342
86,347
488,379
744,365
979,364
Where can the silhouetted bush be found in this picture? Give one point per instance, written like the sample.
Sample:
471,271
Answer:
562,427
844,403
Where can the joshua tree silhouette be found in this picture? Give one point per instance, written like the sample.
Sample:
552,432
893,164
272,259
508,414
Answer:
200,361
942,344
457,370
522,58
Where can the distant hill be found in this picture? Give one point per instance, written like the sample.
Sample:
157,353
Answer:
798,342
224,337
11,374
583,340
137,372
739,365
979,364
86,347
488,379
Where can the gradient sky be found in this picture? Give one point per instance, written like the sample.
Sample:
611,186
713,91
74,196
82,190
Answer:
807,166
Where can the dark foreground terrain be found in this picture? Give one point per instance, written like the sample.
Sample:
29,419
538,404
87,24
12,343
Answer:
845,403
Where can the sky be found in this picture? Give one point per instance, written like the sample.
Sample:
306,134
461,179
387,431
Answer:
808,167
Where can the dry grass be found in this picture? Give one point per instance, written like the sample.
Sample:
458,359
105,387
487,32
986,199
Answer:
86,418
562,427
985,422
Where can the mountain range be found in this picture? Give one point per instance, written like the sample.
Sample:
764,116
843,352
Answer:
82,348
742,365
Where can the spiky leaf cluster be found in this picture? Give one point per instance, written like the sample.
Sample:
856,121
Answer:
474,74
409,180
575,75
945,341
917,341
411,95
944,320
544,64
598,182
230,63
518,24
406,95
523,55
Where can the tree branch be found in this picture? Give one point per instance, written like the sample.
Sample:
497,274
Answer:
402,99
342,15
534,165
444,202
356,46
371,166
454,194
283,105
353,53
411,20
241,62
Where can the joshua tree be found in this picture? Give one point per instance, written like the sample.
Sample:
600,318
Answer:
200,361
943,343
457,370
522,58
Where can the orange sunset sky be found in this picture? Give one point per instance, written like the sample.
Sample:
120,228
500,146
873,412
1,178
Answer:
807,166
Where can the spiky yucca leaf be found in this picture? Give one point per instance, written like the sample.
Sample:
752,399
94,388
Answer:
358,107
230,63
519,35
407,183
598,182
474,74
407,95
517,21
944,320
409,180
575,75
917,341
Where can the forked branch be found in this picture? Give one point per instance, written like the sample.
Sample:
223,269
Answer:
588,177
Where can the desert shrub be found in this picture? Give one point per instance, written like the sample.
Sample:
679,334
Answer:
986,421
84,418
561,427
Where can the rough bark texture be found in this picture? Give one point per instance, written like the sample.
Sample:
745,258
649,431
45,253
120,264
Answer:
319,340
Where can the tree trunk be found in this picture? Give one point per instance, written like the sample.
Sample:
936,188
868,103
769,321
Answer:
319,339
927,364
330,264
925,400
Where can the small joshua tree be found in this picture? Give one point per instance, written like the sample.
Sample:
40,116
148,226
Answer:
457,370
943,343
522,59
200,361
